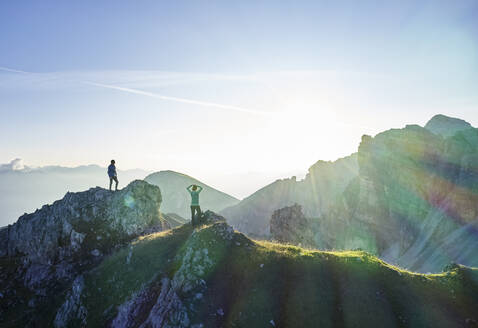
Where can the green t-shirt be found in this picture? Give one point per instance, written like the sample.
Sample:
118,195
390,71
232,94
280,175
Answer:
195,196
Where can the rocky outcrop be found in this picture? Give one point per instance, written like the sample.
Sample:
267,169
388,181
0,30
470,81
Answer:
169,301
289,225
174,220
24,188
324,182
72,310
46,250
82,222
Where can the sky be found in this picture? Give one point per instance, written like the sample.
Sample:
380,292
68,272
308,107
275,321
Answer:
235,94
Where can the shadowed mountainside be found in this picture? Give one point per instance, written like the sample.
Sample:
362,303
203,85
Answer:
214,277
176,198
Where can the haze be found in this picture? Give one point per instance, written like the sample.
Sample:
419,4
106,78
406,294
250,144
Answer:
234,94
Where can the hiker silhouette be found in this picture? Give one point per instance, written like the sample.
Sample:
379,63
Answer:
194,191
112,174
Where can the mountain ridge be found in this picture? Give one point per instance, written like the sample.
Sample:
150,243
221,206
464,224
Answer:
420,214
412,203
101,258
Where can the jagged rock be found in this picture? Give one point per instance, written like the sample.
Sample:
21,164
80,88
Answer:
52,246
211,217
72,311
289,225
168,311
414,201
160,299
56,232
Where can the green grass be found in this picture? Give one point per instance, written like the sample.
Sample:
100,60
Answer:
114,281
255,282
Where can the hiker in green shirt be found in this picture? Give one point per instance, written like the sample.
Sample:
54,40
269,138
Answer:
194,191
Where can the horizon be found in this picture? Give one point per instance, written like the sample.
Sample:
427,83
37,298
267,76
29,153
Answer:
230,186
219,90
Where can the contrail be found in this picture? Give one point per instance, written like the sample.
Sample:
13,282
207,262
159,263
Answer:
159,96
182,100
6,69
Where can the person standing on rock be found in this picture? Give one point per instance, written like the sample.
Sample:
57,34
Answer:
112,174
194,191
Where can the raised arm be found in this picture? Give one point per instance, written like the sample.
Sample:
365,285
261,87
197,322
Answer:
199,188
189,188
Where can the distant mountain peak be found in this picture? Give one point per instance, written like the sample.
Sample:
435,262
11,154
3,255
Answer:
176,198
446,126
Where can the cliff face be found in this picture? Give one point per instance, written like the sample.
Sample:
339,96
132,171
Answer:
414,201
49,248
324,182
415,190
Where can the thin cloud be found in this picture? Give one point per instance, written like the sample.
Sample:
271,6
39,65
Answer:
6,69
181,100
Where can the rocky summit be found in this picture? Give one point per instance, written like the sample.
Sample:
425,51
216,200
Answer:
47,250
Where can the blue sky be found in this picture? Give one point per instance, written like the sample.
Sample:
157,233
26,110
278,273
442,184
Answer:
259,86
237,36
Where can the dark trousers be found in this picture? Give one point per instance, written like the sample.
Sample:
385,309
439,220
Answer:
195,218
111,182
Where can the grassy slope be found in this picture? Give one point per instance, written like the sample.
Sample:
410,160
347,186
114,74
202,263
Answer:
256,282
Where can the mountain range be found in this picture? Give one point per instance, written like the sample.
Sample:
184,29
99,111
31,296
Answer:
109,259
324,182
408,195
